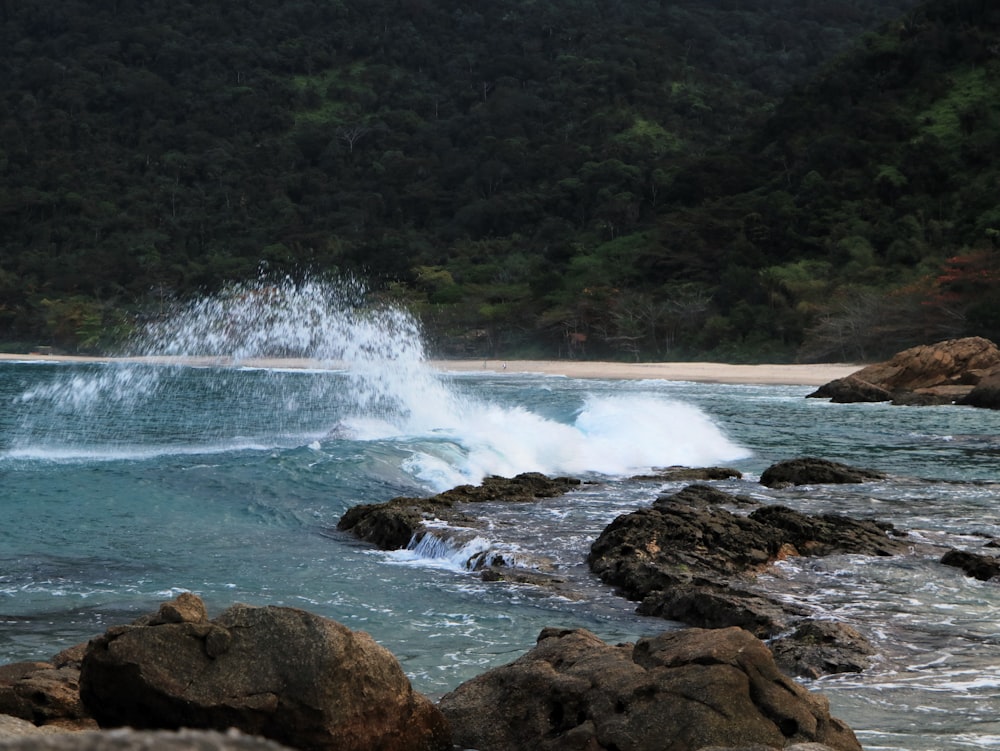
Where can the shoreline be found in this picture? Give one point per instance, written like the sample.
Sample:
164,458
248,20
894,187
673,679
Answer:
702,372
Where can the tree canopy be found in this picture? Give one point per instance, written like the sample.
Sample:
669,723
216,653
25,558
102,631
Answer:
615,178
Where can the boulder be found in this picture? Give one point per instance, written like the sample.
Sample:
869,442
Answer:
690,688
982,567
281,673
809,470
986,393
127,739
931,368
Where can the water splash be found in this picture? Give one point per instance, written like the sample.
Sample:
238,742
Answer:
216,376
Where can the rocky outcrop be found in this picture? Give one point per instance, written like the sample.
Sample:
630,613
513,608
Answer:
928,374
281,673
986,393
811,471
140,740
697,688
695,562
394,524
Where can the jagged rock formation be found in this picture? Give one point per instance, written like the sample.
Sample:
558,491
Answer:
683,689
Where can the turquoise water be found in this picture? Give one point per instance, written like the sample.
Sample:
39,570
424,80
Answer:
125,484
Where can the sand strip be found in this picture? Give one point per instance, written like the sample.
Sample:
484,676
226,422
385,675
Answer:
705,372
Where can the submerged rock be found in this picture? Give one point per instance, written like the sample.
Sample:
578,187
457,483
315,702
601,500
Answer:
812,471
693,688
277,672
940,373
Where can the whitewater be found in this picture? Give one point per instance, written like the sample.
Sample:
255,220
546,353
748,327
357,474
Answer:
188,469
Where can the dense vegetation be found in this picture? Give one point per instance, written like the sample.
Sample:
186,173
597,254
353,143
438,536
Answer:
575,177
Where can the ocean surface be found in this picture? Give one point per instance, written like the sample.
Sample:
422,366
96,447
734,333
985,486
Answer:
124,484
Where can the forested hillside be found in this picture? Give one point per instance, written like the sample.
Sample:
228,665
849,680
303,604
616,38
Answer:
575,177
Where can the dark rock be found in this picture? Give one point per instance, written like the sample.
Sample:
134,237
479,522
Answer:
691,474
282,673
693,688
929,397
141,740
818,648
849,390
811,471
705,495
982,567
956,364
829,533
695,562
718,604
986,394
392,525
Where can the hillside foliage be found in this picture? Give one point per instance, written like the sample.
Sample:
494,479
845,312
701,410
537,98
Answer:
591,178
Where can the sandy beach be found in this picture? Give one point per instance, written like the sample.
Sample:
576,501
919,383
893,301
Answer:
705,372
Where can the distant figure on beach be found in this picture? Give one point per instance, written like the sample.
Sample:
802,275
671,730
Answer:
505,366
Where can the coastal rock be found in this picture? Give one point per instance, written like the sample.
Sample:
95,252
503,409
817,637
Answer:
43,694
282,673
829,534
695,562
695,687
812,471
986,393
394,524
818,648
691,474
851,389
982,567
943,371
127,739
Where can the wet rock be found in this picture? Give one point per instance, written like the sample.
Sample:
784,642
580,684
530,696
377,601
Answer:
850,390
829,534
142,740
818,648
812,471
696,562
982,567
986,393
706,495
691,474
277,672
394,524
695,687
956,363
720,604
